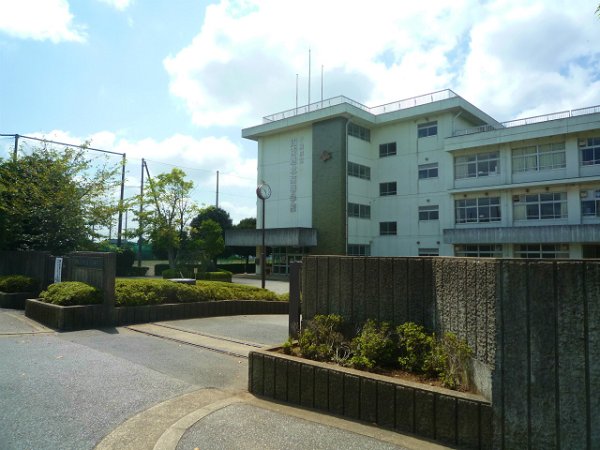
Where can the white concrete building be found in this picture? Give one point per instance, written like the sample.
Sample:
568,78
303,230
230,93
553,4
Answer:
430,175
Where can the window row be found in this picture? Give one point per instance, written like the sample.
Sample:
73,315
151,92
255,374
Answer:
359,250
526,159
537,251
359,171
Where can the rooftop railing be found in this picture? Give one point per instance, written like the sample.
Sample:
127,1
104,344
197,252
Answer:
376,110
528,121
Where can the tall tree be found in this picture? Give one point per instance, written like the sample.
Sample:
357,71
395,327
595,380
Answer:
210,239
55,201
167,211
217,215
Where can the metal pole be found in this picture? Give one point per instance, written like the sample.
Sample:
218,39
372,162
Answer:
140,216
16,148
263,256
121,199
217,203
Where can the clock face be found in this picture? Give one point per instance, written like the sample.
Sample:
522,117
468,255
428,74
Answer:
263,191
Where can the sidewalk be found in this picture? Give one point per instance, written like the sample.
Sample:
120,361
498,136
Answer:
216,419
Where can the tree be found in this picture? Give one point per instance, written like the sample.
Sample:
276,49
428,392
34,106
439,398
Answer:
246,252
168,209
54,201
218,215
210,239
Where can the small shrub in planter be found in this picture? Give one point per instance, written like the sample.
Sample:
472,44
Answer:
71,293
18,283
374,345
138,271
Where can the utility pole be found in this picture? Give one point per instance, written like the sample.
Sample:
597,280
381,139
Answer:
121,198
140,216
16,147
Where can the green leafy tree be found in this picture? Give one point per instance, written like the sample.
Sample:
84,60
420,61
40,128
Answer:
210,239
55,201
218,215
167,211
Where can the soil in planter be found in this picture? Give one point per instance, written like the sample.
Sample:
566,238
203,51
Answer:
388,372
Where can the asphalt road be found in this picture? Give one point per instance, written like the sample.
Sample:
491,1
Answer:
68,390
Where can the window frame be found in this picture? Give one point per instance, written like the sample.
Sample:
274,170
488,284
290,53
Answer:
529,204
359,171
425,171
478,250
388,228
358,250
429,212
388,193
359,132
427,129
591,146
359,210
388,149
542,251
477,204
478,162
532,156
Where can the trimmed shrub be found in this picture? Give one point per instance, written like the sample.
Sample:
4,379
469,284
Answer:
131,292
71,293
322,339
456,355
158,269
18,283
373,346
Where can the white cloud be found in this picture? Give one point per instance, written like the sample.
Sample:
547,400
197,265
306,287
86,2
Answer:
120,5
40,20
505,56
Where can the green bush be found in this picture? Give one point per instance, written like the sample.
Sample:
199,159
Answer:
321,339
130,292
373,346
158,269
18,283
71,293
415,347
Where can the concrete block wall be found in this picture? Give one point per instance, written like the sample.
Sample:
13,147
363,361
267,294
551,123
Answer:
534,326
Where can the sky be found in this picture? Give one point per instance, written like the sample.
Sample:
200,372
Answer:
174,82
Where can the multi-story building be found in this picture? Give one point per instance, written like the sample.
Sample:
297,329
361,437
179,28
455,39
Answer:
430,175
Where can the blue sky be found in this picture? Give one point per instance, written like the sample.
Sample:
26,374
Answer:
175,81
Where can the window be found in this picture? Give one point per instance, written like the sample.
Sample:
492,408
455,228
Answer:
429,252
427,129
387,188
477,210
358,210
590,208
590,151
551,251
479,165
387,149
428,171
387,228
359,250
429,212
478,250
539,157
359,171
550,205
359,132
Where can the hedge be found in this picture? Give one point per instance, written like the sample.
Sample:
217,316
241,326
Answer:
71,293
18,283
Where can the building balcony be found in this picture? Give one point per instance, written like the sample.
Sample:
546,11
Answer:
274,237
524,235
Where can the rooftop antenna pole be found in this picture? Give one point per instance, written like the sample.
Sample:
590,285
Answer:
321,85
309,78
296,93
217,189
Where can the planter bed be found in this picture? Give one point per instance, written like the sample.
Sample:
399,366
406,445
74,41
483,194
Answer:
14,300
82,317
450,417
